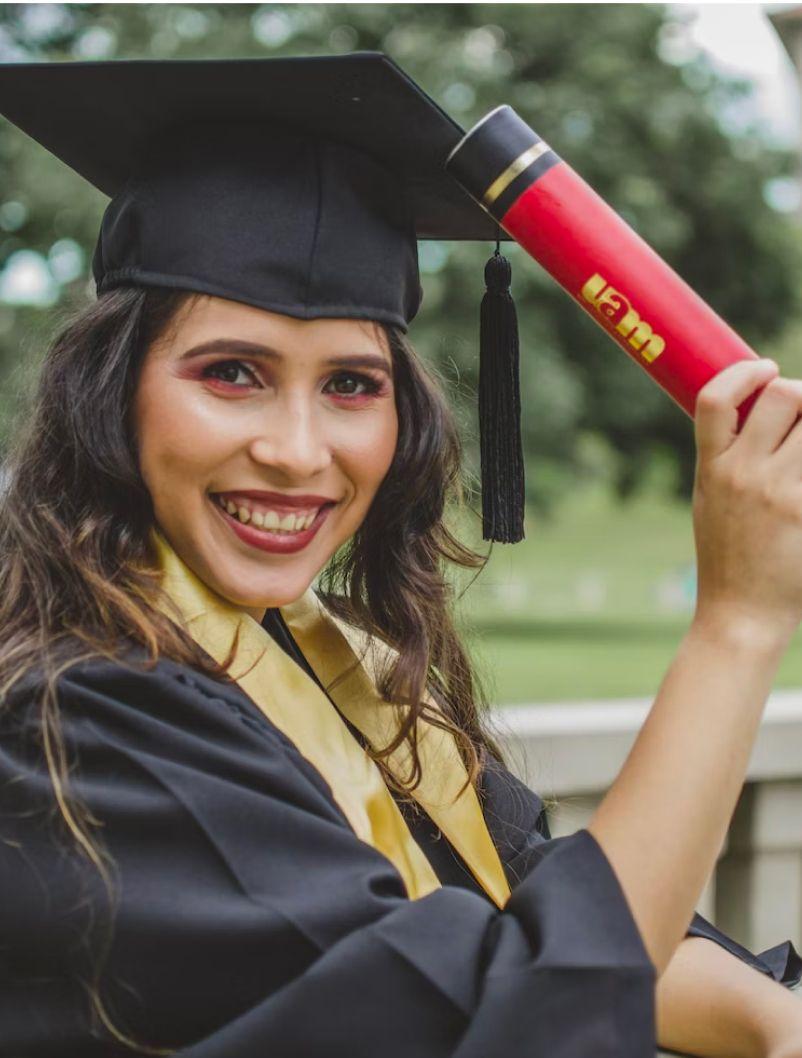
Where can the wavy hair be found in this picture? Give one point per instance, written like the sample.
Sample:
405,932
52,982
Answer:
78,576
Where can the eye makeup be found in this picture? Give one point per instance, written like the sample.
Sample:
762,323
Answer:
371,385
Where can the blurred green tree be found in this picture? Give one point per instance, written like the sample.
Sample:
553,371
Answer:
612,87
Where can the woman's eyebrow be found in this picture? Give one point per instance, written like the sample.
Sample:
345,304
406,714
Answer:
240,347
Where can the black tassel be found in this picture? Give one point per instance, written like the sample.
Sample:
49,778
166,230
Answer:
503,486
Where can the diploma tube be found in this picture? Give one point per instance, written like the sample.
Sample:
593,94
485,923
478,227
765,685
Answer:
607,268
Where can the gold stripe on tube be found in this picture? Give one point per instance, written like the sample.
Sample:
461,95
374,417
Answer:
523,161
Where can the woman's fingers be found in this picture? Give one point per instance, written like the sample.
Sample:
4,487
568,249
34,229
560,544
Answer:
716,413
774,413
787,458
747,500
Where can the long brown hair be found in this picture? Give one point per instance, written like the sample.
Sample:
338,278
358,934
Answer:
78,576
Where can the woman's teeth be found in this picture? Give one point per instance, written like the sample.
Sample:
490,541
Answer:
269,520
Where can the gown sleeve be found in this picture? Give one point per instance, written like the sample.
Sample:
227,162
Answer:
782,961
517,820
251,920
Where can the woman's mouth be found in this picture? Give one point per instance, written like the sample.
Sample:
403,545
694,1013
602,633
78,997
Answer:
280,531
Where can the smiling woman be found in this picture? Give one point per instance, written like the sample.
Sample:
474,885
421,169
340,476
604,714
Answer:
243,815
290,421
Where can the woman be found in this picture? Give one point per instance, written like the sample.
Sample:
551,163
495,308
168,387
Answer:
244,817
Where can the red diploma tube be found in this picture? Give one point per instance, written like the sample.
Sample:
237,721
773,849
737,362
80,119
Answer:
607,268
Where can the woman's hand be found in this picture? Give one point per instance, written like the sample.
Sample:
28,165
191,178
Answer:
790,1049
709,1002
747,504
784,1034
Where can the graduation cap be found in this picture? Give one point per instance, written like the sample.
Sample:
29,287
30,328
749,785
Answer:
295,184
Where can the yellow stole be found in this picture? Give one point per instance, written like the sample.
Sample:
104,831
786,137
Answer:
296,706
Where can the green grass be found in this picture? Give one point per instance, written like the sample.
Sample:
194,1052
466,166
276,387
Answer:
592,604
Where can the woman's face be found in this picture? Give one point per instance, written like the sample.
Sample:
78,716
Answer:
262,440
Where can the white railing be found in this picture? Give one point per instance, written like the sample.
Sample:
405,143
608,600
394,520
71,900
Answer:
572,752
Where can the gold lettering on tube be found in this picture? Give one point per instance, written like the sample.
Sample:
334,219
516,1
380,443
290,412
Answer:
614,309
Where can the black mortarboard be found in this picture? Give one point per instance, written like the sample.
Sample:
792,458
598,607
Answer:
295,184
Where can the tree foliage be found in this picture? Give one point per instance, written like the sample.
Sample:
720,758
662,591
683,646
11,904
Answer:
650,135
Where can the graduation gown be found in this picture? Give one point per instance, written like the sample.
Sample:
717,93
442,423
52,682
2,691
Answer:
264,910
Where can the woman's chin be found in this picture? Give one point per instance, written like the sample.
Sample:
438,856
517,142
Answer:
278,592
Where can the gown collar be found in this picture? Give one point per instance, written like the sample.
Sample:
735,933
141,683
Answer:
346,661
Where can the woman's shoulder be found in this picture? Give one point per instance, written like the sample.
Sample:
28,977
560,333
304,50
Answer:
165,717
126,670
125,695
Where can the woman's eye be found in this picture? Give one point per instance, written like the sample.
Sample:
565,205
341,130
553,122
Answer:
227,371
349,384
345,384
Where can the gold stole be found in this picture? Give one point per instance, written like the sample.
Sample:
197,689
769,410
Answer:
298,708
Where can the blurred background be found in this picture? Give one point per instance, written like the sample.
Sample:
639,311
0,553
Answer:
685,117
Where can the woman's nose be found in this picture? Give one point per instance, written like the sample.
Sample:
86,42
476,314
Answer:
292,441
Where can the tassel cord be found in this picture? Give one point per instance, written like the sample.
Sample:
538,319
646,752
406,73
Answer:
502,464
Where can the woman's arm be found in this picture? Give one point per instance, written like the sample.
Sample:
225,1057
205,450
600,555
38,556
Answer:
663,822
665,817
711,1004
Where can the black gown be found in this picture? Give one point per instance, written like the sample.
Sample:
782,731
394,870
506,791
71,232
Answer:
252,922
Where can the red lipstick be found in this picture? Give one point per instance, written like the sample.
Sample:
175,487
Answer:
273,542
